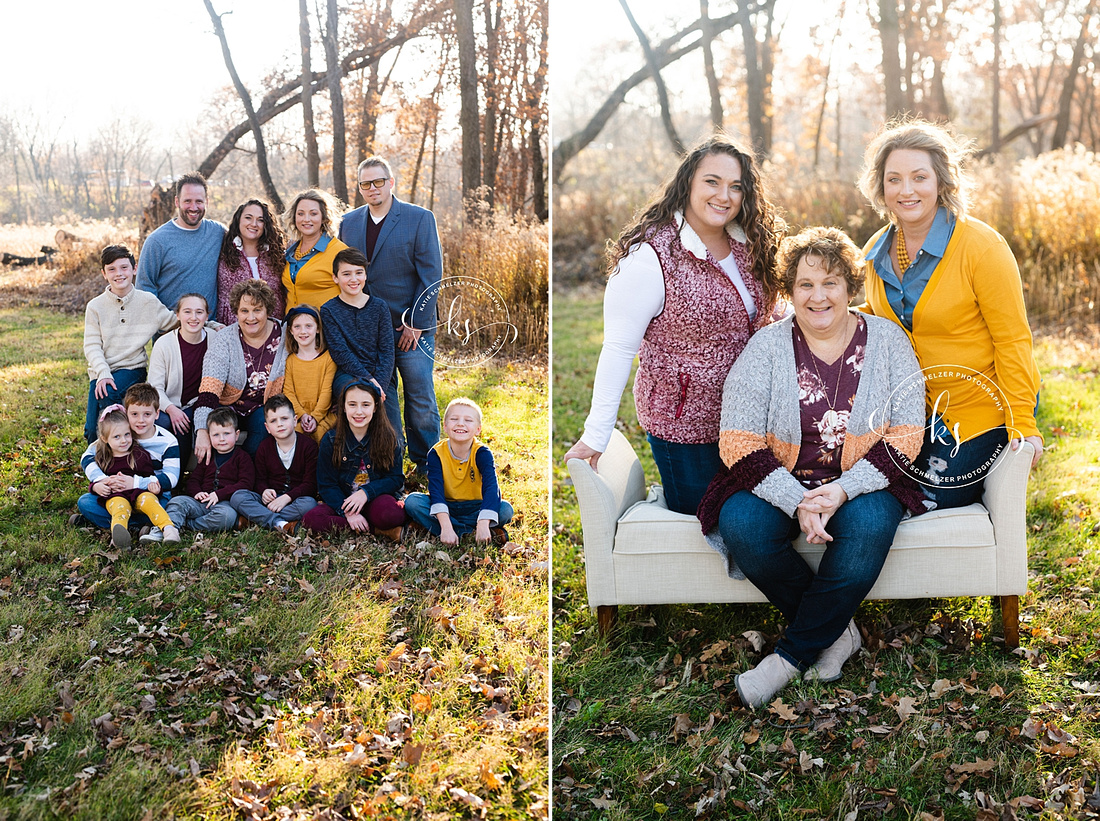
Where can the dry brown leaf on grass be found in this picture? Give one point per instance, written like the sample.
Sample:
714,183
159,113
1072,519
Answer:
306,586
681,725
421,702
782,710
981,766
905,707
714,651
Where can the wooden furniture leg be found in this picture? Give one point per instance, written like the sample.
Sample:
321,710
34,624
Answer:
606,614
1010,619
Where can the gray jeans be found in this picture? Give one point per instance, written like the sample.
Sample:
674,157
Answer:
185,512
250,504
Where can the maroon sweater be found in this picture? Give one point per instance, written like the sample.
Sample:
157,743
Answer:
297,481
143,466
236,474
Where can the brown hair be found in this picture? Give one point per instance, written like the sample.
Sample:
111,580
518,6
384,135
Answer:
194,178
272,242
832,246
141,393
383,439
103,452
294,313
224,416
260,292
757,217
948,153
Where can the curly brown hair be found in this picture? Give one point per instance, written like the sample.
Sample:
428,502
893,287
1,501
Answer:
272,242
331,213
832,246
763,228
258,290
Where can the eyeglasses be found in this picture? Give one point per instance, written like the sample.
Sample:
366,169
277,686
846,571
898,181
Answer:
366,185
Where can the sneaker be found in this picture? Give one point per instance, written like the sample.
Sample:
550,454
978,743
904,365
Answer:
289,528
76,520
832,658
153,536
120,537
759,685
171,535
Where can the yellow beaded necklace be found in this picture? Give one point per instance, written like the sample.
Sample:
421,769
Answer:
903,253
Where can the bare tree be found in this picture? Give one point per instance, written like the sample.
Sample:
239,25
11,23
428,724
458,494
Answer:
655,70
759,61
253,121
313,155
890,37
468,106
492,80
336,102
1065,100
995,115
708,66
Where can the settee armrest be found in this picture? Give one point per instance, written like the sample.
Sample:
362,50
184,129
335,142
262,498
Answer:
603,497
1005,497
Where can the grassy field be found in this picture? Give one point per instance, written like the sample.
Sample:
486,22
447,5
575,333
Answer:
934,720
248,676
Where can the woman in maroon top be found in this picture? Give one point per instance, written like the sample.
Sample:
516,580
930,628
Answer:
252,249
175,370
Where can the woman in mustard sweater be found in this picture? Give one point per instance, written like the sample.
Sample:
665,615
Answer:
952,283
311,222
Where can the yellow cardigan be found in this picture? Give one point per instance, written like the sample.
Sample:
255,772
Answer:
314,284
971,317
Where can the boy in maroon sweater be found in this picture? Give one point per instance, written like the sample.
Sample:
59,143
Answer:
213,483
286,472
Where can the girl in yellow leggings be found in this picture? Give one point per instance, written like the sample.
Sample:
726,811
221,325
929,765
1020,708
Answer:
124,461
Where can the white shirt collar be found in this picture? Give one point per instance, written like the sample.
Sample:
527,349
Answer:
693,243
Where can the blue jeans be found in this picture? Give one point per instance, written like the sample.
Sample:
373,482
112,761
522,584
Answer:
817,606
935,467
184,511
421,429
250,504
253,425
123,379
186,440
463,514
686,471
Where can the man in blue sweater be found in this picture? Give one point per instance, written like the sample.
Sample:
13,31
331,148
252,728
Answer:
181,256
401,242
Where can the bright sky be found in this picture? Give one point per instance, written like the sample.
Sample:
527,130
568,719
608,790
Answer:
83,63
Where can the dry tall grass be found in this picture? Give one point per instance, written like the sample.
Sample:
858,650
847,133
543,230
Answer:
1047,207
512,256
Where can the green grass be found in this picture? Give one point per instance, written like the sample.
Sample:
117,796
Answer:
247,676
935,720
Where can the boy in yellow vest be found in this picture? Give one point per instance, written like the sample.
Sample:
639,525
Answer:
463,495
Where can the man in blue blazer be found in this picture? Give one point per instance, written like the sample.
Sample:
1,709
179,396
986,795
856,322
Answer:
401,244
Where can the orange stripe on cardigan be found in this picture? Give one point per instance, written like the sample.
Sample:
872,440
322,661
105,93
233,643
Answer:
904,439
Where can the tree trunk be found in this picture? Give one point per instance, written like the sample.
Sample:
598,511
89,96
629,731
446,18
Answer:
534,106
890,36
995,136
1065,101
716,115
755,81
655,70
313,156
667,52
468,117
253,120
492,78
336,101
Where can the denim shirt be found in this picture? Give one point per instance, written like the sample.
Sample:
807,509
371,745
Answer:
903,294
335,485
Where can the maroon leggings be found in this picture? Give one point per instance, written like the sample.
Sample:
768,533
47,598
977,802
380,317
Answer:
382,513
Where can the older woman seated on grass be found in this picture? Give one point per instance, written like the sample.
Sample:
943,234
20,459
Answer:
821,416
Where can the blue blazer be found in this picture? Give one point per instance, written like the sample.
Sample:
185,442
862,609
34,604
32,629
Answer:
408,260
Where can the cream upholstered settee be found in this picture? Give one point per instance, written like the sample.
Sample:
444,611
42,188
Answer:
637,551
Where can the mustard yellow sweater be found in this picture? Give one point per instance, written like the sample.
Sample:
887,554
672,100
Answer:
308,385
971,318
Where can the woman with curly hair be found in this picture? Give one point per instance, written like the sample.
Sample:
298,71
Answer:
690,280
312,222
252,249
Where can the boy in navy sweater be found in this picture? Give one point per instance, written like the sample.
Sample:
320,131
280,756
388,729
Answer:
357,327
462,483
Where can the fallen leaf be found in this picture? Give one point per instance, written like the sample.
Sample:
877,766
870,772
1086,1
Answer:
421,702
489,778
681,723
412,753
996,691
306,586
782,710
756,639
905,707
714,650
751,736
981,766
